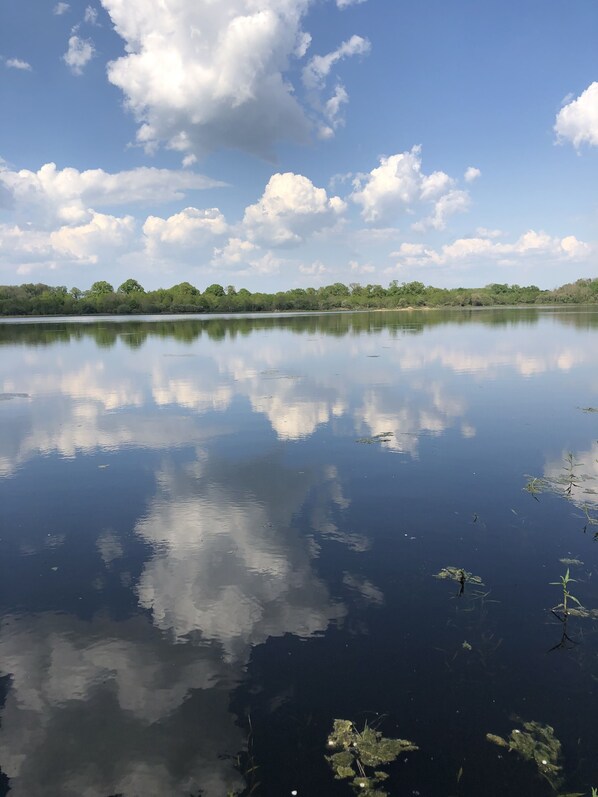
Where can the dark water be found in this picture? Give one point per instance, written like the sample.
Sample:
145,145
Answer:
202,567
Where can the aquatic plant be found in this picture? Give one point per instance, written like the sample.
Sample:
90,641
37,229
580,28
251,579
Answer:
460,575
564,582
383,437
536,743
359,754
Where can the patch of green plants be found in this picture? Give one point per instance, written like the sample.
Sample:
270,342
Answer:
460,575
358,756
383,437
536,743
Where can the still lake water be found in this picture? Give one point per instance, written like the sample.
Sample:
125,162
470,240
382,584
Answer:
219,535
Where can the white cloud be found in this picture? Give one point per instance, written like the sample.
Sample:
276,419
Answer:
448,204
91,15
318,68
188,229
471,174
347,3
290,210
60,8
237,252
398,185
101,235
332,112
205,75
577,122
17,63
529,245
66,194
315,269
79,54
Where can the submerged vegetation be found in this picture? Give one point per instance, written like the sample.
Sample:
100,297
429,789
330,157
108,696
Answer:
360,754
130,297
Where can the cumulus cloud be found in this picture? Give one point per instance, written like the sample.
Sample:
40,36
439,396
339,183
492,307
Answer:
530,244
398,184
290,209
66,194
17,63
88,242
185,230
203,75
60,8
577,121
471,174
79,54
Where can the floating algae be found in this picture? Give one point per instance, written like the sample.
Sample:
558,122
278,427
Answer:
459,575
383,437
358,754
535,743
9,396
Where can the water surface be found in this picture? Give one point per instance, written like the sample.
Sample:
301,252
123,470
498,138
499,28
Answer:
219,535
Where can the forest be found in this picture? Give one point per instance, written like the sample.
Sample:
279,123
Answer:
130,298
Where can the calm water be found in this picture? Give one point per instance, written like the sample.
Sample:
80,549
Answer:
219,535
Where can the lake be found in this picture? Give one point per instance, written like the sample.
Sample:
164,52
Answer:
220,535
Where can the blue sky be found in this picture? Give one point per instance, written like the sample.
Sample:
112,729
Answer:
281,143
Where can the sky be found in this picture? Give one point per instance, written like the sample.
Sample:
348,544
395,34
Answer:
273,144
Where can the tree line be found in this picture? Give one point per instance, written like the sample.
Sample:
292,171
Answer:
130,298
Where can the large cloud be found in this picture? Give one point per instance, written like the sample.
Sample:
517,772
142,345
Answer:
577,122
66,194
201,75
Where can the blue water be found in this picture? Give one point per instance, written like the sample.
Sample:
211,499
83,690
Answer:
219,535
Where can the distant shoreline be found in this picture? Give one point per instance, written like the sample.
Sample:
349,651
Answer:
130,299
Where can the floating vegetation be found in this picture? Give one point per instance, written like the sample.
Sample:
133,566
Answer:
359,755
535,743
9,396
459,575
571,562
383,437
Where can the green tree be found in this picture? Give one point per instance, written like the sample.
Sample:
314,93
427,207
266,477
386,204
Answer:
101,288
214,290
130,286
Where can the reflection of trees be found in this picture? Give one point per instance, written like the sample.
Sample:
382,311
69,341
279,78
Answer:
134,333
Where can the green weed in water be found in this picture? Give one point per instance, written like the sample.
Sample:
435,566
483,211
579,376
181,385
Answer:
359,755
383,437
567,596
459,575
536,743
